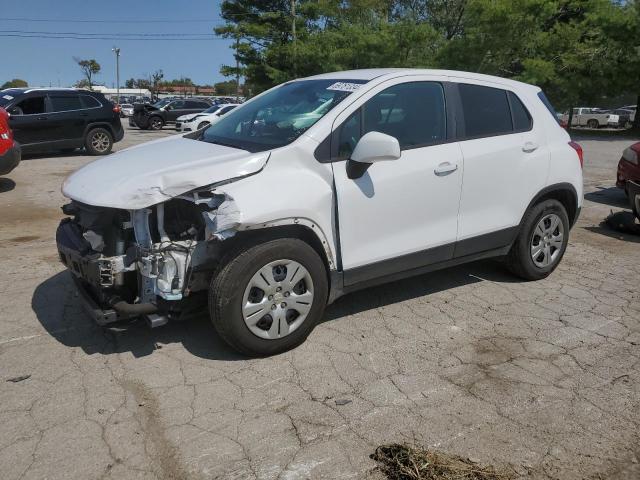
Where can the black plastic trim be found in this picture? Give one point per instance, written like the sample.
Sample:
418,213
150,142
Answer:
488,241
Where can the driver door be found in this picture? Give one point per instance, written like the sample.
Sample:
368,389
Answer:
400,214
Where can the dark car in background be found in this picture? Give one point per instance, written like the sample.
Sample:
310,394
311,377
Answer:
165,111
9,148
48,119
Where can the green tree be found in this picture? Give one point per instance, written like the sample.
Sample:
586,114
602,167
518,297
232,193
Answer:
89,68
15,83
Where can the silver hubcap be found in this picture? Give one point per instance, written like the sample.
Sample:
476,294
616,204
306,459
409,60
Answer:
546,241
155,123
100,141
277,299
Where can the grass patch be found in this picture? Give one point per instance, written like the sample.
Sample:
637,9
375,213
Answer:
405,462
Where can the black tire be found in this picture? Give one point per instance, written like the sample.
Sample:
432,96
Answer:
519,259
593,123
201,125
229,283
98,141
155,123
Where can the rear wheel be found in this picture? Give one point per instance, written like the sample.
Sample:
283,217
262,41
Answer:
156,123
541,242
593,123
268,298
98,142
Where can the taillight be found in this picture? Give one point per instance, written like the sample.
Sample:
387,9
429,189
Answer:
576,146
116,108
632,153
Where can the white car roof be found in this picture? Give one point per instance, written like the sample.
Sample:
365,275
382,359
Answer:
375,73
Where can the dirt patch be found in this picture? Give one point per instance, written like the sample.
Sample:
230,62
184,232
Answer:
24,239
164,455
405,462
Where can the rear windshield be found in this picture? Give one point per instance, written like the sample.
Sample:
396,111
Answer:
543,98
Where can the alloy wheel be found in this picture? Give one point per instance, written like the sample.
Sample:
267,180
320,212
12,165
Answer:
277,299
546,241
100,142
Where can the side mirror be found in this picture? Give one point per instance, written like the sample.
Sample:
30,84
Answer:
371,148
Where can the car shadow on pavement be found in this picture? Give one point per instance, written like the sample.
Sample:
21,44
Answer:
6,185
78,152
612,196
419,286
57,307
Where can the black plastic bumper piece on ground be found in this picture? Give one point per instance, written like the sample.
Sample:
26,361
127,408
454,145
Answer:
10,159
99,315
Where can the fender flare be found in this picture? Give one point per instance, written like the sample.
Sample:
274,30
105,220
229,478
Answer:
564,187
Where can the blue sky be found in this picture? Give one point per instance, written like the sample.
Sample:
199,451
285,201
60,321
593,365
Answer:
45,61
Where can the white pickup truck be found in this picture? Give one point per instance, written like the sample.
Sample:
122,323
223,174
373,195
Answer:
593,118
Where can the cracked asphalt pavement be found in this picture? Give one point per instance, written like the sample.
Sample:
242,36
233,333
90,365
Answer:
539,375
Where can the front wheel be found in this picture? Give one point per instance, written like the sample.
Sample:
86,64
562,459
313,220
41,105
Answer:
542,241
593,123
201,125
268,298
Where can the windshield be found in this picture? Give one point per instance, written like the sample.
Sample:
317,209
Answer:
212,109
280,116
161,103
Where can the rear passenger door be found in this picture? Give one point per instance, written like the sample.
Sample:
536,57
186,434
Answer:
67,116
506,162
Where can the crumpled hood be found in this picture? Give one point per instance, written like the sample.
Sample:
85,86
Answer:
154,172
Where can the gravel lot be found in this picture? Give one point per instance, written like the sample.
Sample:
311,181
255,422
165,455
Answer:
543,376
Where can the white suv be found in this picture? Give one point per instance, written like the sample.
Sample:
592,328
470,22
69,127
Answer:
316,188
192,122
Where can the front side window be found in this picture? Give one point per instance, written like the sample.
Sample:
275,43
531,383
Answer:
280,116
486,111
29,106
413,113
64,103
177,105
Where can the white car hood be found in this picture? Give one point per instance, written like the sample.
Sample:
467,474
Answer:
154,172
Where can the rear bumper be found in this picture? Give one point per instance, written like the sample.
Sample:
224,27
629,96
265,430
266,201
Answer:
10,159
627,171
634,197
119,133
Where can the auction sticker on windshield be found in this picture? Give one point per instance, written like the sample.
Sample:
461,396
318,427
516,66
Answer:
344,86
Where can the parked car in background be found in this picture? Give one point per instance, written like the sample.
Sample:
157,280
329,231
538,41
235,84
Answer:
126,110
631,110
629,167
51,119
165,111
592,118
189,123
266,216
619,118
9,149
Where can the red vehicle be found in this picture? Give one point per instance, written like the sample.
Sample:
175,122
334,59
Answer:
629,167
9,149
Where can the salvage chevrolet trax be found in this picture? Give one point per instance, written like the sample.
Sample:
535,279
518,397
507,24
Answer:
316,188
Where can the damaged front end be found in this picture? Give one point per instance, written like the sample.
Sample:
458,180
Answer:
150,262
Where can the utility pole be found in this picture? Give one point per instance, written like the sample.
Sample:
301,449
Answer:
237,69
116,50
293,33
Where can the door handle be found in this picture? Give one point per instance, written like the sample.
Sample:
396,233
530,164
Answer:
84,114
41,118
529,147
445,168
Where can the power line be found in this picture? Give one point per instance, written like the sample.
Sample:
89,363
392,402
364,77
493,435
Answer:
19,35
36,32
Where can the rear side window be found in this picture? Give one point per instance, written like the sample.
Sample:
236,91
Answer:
521,117
224,110
486,111
89,102
65,103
